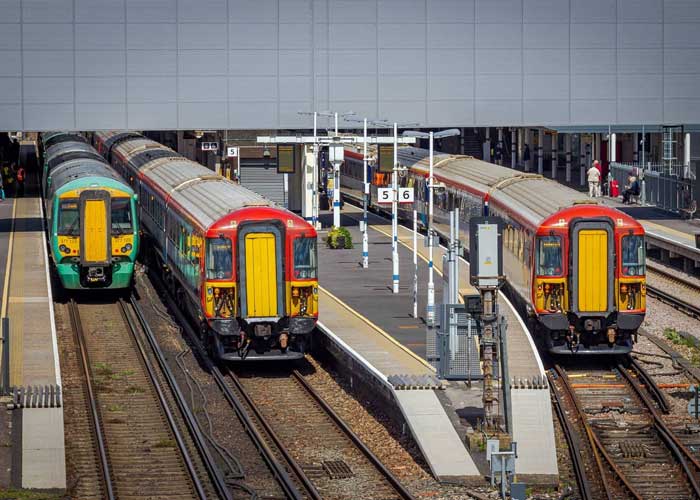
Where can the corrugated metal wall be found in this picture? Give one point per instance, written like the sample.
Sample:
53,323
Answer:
263,180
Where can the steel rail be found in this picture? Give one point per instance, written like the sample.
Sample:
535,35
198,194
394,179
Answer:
213,470
680,452
400,489
94,410
278,470
197,483
596,445
651,386
572,441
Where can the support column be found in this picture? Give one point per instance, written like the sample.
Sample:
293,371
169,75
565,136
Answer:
307,183
613,148
555,154
513,148
487,145
521,142
540,139
686,155
636,139
528,143
582,160
499,147
567,146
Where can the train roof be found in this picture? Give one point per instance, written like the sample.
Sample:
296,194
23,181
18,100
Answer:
532,196
48,139
82,168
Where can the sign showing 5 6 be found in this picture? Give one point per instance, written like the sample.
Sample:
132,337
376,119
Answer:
384,195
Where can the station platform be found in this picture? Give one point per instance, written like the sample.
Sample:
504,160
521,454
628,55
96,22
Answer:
368,293
30,362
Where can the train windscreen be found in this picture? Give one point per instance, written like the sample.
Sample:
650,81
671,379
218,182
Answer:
68,218
121,216
305,258
549,256
633,255
219,259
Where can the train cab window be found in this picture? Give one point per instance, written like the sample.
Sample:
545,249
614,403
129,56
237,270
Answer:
305,258
121,216
219,259
633,255
69,218
549,256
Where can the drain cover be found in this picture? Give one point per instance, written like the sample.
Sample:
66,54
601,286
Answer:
633,449
337,469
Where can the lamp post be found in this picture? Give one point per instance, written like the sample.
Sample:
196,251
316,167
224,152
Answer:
430,313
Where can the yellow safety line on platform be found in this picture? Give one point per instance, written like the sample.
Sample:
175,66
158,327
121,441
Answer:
8,262
667,229
378,329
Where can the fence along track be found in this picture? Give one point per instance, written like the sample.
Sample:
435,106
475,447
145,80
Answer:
637,450
141,451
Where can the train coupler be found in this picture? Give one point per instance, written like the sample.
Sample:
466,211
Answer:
611,335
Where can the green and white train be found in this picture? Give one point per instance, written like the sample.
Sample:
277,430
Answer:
90,213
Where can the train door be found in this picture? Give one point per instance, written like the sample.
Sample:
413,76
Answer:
95,224
592,267
261,253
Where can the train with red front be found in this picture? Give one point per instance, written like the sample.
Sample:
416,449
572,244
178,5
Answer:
242,268
575,267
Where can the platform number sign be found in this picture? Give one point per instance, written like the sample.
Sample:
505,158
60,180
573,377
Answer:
384,195
232,151
406,195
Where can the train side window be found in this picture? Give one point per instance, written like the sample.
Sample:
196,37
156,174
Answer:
549,256
633,258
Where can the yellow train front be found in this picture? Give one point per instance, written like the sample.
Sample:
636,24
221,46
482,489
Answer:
588,291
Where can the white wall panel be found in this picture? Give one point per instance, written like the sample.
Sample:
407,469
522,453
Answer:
11,11
47,11
100,11
202,62
103,36
10,63
10,89
545,36
639,35
10,37
201,36
47,36
406,62
401,36
254,63
631,11
100,116
451,11
151,62
48,90
143,89
93,90
546,11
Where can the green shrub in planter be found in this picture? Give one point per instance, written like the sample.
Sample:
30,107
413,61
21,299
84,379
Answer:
339,237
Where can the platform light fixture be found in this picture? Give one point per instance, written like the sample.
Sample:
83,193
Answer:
430,312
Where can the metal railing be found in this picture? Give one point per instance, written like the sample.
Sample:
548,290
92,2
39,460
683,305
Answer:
665,185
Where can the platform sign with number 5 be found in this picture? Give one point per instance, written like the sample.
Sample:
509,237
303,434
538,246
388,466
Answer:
384,195
406,195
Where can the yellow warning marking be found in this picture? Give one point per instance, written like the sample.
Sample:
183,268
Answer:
408,327
378,329
6,287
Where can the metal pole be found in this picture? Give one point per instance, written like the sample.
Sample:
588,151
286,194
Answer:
455,290
512,148
336,184
314,177
555,155
365,201
415,263
540,140
567,142
394,215
431,283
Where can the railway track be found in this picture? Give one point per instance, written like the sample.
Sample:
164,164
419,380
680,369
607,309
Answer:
632,452
140,445
292,422
663,280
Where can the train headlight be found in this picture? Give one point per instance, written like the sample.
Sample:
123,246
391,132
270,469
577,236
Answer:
64,249
123,249
128,246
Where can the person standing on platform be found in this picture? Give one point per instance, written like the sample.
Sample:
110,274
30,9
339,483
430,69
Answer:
20,181
8,179
593,181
